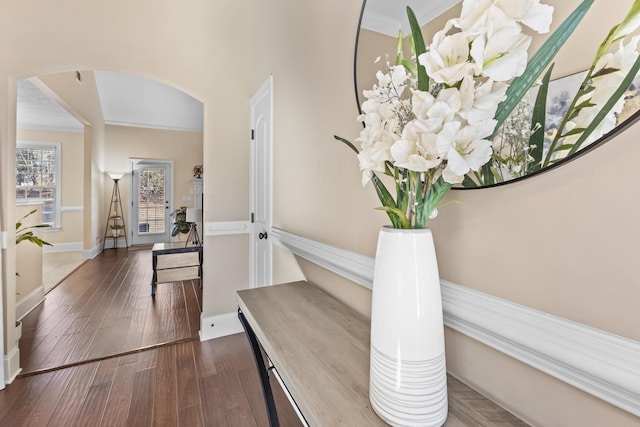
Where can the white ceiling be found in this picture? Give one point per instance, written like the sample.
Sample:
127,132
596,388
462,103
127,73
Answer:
125,99
390,16
37,109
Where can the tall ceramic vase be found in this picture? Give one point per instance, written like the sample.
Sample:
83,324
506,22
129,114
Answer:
408,379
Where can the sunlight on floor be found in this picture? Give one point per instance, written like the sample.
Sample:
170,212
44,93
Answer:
57,265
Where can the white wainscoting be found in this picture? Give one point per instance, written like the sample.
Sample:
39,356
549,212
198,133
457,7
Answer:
595,361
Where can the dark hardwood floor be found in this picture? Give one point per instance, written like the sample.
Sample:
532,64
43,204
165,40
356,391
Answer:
100,351
104,308
211,383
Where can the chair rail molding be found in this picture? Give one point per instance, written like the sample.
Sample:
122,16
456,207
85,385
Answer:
597,362
222,228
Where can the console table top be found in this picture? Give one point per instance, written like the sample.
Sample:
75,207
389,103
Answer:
320,348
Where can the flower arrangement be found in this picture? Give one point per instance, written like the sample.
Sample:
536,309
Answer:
430,120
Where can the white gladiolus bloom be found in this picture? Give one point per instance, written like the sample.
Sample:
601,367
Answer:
480,102
447,59
604,86
417,150
467,152
480,14
502,55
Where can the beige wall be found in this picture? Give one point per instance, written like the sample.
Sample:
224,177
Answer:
563,242
81,98
72,185
123,143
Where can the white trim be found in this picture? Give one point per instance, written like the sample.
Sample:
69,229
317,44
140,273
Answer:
28,303
595,361
72,209
63,247
58,176
152,126
219,326
600,363
376,21
4,240
222,228
12,365
354,266
93,252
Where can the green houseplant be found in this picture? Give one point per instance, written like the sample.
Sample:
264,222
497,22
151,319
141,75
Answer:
179,221
25,234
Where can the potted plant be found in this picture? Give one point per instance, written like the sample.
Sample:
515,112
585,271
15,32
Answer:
179,222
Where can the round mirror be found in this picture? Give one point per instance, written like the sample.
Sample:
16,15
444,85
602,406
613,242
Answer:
381,21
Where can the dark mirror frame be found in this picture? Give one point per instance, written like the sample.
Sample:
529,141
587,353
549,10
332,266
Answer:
597,143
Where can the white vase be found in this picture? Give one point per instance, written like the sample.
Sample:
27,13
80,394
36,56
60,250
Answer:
408,378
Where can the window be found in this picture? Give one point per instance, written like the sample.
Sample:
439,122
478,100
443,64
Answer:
38,178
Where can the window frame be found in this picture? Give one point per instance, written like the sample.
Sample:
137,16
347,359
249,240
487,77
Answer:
57,207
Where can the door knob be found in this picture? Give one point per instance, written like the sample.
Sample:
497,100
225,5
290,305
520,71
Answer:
262,235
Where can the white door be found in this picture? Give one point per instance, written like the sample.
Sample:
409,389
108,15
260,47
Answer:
151,196
260,204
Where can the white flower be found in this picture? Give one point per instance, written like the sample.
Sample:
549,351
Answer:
480,14
464,149
480,102
501,55
447,58
603,87
417,150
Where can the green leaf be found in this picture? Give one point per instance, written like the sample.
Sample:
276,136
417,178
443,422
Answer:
604,71
574,131
563,147
539,116
539,61
420,48
608,106
347,142
402,193
398,218
438,190
387,201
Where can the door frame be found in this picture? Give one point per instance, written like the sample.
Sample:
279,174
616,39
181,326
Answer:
266,89
133,162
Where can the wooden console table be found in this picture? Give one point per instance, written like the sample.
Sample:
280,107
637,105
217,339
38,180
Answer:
320,349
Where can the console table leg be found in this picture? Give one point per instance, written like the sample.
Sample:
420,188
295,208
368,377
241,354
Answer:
262,370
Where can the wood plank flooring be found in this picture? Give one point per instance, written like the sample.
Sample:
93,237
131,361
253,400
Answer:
105,308
211,383
100,352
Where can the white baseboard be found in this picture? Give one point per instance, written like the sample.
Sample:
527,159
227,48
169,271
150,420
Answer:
595,361
28,303
92,253
12,365
219,326
63,247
